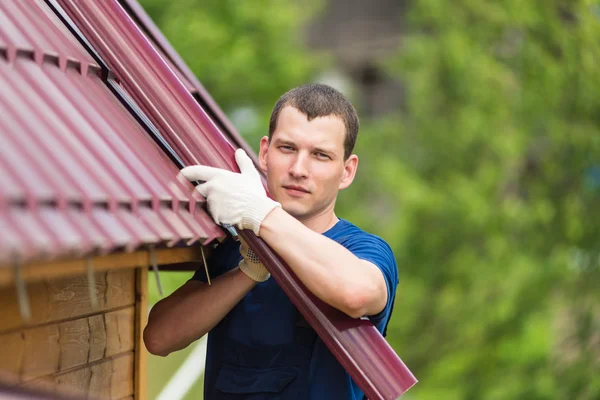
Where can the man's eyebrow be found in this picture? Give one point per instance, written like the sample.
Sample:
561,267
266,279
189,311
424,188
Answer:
323,150
283,141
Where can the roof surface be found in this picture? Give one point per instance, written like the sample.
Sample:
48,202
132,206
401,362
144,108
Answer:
78,174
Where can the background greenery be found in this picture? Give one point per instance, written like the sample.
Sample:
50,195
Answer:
486,183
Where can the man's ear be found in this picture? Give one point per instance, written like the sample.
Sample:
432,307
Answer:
262,155
350,167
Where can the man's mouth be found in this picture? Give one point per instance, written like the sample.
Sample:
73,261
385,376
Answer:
296,189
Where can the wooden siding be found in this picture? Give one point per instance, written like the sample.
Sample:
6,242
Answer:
48,349
109,379
67,298
68,346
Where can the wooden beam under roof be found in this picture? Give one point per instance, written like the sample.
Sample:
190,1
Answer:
32,272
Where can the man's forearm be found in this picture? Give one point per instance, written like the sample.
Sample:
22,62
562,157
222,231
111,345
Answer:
193,310
329,270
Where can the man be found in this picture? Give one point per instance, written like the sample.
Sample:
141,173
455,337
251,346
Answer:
259,346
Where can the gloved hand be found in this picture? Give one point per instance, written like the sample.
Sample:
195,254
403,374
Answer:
233,198
251,264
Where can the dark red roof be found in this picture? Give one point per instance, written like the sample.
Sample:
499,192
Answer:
78,174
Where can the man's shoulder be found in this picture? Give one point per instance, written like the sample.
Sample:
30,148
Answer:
345,228
347,232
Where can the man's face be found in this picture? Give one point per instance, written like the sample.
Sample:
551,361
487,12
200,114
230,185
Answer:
304,162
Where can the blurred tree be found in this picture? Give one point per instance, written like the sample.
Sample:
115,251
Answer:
486,185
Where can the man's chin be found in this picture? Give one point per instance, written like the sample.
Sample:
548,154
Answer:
294,210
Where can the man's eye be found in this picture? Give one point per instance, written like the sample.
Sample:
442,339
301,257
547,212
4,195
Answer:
286,148
322,156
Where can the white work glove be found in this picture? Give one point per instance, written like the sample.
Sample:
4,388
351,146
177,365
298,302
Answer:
233,198
251,264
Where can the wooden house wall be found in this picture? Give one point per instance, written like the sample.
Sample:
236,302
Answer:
70,347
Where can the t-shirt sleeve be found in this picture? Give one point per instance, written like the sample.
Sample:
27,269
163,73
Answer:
224,257
375,250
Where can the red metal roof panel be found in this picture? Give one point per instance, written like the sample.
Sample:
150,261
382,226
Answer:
159,225
62,228
78,174
33,234
165,101
10,189
12,156
29,26
93,238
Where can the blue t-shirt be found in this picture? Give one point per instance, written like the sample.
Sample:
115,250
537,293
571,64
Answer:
263,348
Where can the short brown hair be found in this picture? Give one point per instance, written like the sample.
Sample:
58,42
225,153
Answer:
318,100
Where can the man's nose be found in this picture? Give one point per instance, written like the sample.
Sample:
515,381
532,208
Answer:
299,169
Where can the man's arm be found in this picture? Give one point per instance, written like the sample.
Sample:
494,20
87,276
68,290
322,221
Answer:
329,270
193,310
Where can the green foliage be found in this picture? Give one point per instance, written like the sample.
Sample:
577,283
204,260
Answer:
484,186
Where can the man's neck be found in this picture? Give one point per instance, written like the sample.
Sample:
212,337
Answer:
321,223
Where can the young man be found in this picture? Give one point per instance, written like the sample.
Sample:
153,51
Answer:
259,346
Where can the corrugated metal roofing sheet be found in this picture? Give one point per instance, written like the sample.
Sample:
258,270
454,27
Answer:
153,86
77,172
197,139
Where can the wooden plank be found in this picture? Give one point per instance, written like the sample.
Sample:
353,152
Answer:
110,379
41,352
49,349
120,331
35,272
10,362
67,298
141,320
97,343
